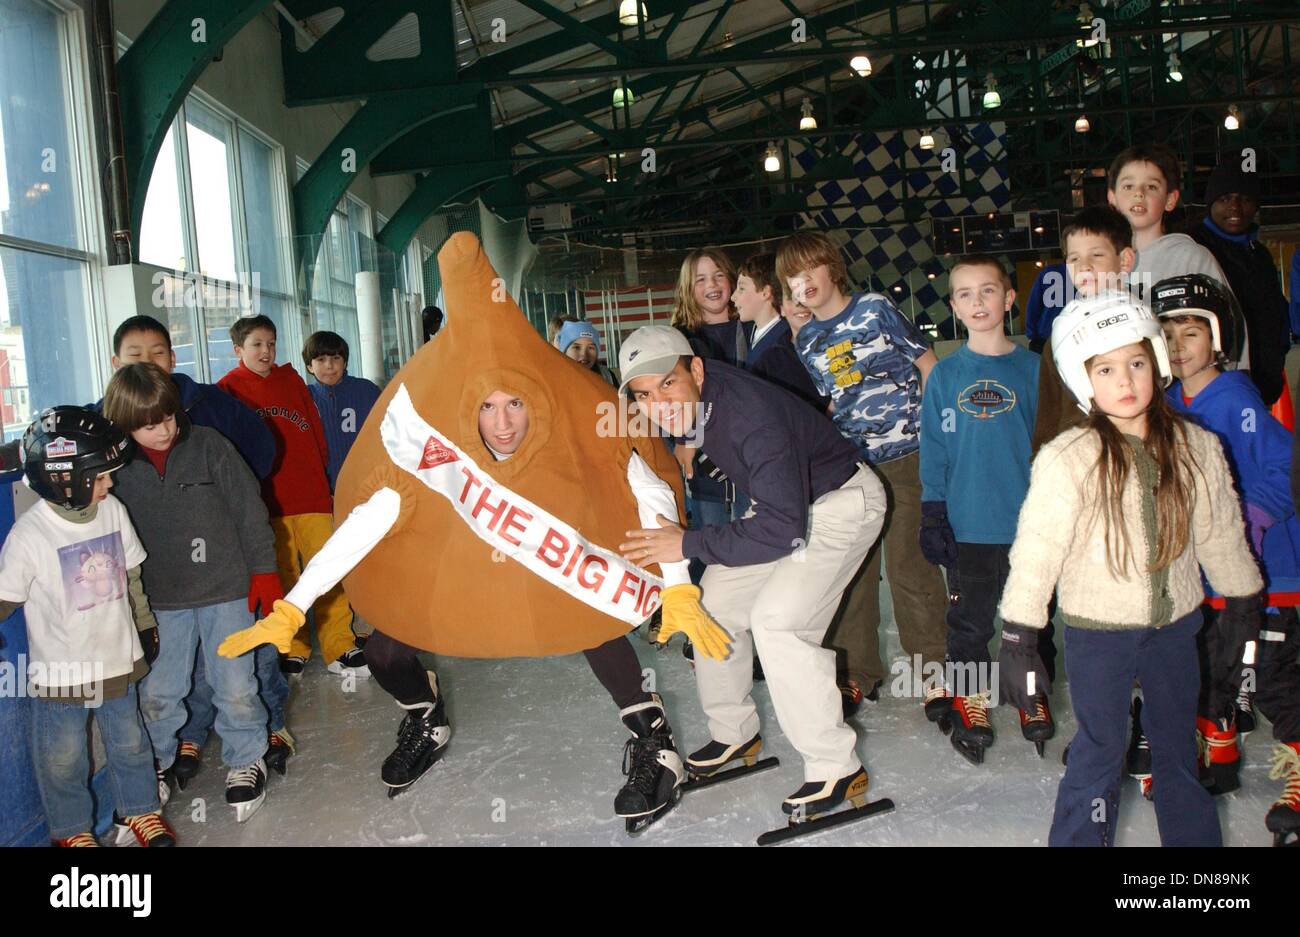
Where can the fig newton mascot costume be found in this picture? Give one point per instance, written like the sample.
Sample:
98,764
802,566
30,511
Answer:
451,548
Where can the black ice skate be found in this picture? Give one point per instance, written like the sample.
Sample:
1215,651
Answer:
812,808
1283,819
246,789
972,733
186,765
279,746
653,768
421,740
1138,759
1245,713
938,708
1037,725
708,765
1220,756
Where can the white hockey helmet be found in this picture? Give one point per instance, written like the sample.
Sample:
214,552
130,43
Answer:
1096,325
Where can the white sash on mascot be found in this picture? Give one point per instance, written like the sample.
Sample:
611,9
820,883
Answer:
513,526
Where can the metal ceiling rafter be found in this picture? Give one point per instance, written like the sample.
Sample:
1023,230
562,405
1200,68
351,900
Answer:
158,71
434,191
336,68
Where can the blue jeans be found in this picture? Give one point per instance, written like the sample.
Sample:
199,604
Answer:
61,750
272,687
1101,666
241,717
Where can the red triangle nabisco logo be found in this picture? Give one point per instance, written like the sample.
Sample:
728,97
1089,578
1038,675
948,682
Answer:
435,454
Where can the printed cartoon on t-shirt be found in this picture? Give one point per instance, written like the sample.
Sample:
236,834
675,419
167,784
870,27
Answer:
94,571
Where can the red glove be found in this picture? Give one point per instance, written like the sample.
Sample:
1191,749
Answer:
264,588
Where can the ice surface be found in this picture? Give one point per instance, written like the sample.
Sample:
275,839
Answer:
535,759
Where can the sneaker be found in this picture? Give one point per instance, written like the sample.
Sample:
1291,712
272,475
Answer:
148,829
81,839
351,662
292,666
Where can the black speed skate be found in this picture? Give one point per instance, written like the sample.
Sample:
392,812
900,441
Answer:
653,768
1283,819
421,740
812,808
1037,725
972,733
708,765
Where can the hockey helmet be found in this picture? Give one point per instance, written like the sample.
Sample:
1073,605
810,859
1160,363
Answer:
1093,326
1204,297
67,448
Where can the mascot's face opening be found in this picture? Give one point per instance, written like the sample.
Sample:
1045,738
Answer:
503,422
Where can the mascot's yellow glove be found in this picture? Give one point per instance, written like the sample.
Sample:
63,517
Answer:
683,612
277,628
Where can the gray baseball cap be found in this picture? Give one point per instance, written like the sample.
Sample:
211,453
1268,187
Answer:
651,349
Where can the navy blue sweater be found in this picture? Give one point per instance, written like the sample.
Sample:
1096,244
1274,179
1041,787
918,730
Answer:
774,359
776,449
343,410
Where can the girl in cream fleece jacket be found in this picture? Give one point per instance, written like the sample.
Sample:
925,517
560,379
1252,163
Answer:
1121,515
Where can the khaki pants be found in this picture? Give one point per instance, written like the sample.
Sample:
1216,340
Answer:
784,607
919,594
298,537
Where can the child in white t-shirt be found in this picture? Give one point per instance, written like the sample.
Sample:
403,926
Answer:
73,561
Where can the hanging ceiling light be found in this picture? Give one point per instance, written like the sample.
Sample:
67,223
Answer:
1175,67
1233,120
991,97
611,168
1081,124
623,97
771,161
860,64
927,140
807,121
628,14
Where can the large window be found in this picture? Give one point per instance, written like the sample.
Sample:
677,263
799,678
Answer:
216,215
49,236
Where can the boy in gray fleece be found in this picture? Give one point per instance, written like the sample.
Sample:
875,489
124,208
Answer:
199,512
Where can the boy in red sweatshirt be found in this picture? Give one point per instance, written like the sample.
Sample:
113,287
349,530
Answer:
297,492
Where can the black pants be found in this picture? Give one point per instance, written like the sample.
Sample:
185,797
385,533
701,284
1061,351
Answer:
396,668
975,586
1277,670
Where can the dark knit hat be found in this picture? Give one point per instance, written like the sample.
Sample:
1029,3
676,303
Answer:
1228,178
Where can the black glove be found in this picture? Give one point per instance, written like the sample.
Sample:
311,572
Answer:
1017,659
1238,624
149,642
938,543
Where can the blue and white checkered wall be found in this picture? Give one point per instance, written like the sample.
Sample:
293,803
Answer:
884,252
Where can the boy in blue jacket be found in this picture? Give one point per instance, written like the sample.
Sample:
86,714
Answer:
1200,327
344,401
977,423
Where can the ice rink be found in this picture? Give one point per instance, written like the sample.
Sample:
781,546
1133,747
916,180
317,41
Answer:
535,760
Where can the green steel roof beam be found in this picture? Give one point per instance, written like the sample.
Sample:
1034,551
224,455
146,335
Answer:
433,192
624,53
159,69
336,68
462,117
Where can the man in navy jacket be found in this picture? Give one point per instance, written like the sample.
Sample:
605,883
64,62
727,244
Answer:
774,577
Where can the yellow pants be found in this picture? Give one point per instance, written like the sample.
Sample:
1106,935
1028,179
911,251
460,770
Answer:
297,539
